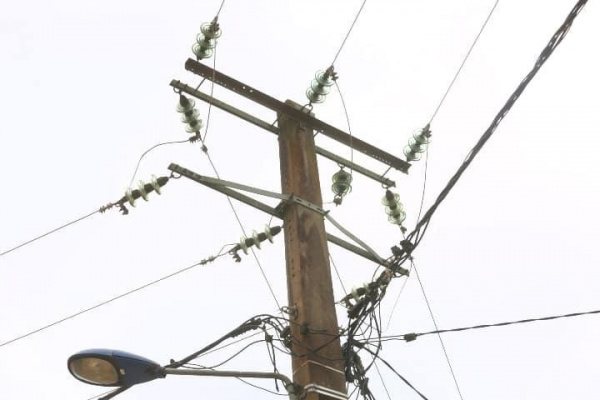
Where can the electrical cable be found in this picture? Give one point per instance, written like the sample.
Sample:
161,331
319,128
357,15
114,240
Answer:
412,336
347,121
414,267
212,90
105,302
464,61
382,380
49,233
100,395
417,234
338,275
244,233
220,7
349,31
149,150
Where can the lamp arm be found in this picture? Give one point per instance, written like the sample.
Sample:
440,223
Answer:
289,385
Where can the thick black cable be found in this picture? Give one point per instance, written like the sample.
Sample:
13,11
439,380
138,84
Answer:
349,31
103,303
49,233
484,326
416,235
463,62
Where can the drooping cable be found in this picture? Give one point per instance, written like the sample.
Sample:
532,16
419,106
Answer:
212,90
220,7
48,233
347,121
338,275
137,166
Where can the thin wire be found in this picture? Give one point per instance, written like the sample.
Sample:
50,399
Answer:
137,166
348,121
436,328
338,275
349,31
103,303
262,271
424,183
220,8
397,299
382,380
212,90
48,233
464,61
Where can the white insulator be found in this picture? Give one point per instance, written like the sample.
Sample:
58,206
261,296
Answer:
268,233
187,106
211,30
320,86
142,190
155,185
190,116
256,239
243,245
194,126
397,218
129,196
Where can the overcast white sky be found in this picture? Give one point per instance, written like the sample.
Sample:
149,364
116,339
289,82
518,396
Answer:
84,92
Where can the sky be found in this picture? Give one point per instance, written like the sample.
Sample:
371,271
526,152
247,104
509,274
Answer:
85,91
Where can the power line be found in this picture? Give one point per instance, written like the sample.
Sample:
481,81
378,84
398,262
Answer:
137,166
212,90
103,303
349,31
49,233
464,61
262,271
347,121
414,267
412,336
220,7
417,234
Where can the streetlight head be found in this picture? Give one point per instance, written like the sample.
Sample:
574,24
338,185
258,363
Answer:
106,367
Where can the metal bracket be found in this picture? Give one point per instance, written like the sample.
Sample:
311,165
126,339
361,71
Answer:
273,129
225,188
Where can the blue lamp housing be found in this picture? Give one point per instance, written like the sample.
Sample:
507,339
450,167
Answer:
105,367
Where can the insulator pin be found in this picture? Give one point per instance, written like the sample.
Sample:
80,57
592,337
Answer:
393,207
417,144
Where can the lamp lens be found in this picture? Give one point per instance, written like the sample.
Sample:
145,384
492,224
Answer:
95,371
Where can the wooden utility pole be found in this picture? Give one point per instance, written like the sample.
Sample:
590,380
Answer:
317,360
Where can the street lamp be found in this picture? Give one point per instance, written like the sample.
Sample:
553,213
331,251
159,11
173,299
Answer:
104,367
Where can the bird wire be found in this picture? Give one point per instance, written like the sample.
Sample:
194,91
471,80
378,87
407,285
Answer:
464,61
105,302
49,233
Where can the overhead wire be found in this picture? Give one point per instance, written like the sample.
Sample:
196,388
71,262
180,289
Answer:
414,267
105,302
413,336
464,61
417,234
49,233
137,166
348,33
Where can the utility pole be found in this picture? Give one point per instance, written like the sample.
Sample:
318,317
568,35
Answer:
317,360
